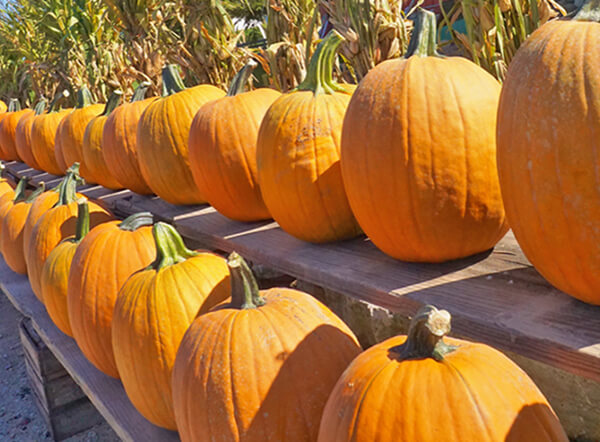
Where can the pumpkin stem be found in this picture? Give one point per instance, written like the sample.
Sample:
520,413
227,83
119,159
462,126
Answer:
423,41
113,102
84,98
40,107
67,189
137,220
37,192
589,11
244,288
170,248
425,335
14,105
239,82
83,219
319,77
54,107
20,190
172,82
140,92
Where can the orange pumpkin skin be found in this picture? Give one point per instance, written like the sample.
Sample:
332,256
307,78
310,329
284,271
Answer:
43,133
3,107
8,134
237,367
119,144
23,140
161,303
549,176
39,207
222,149
162,143
419,158
58,148
298,152
475,393
104,260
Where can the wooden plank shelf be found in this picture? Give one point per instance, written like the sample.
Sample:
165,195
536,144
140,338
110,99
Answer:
107,394
496,297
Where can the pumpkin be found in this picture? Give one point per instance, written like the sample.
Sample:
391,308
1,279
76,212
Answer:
222,149
162,138
260,367
161,301
5,185
298,155
11,237
425,387
13,106
3,106
23,135
418,154
55,225
70,137
8,133
119,141
8,199
43,133
548,158
104,260
55,273
98,171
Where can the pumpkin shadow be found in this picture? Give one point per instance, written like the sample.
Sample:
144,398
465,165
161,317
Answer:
307,376
536,423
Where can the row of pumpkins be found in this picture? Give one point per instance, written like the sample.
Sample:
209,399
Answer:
408,157
200,349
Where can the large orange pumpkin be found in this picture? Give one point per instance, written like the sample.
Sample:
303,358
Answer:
104,260
55,273
55,225
70,137
261,367
162,301
43,133
419,154
162,138
548,154
222,147
13,106
23,135
424,387
119,141
93,158
11,236
8,133
298,155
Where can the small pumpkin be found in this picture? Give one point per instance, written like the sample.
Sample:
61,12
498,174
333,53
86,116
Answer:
425,387
8,133
70,137
119,141
97,170
419,155
3,107
8,199
13,106
222,149
104,260
23,135
548,155
12,232
162,138
260,367
55,225
298,153
43,133
55,273
161,301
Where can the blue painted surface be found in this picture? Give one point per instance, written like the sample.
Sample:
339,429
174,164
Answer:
459,26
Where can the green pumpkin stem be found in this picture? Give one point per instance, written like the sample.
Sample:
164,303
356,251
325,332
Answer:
14,105
37,192
239,82
113,102
137,220
319,78
244,288
83,219
172,82
425,335
140,92
84,98
423,41
67,189
20,194
589,11
55,105
170,248
40,107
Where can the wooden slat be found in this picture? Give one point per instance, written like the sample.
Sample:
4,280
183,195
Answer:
107,394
